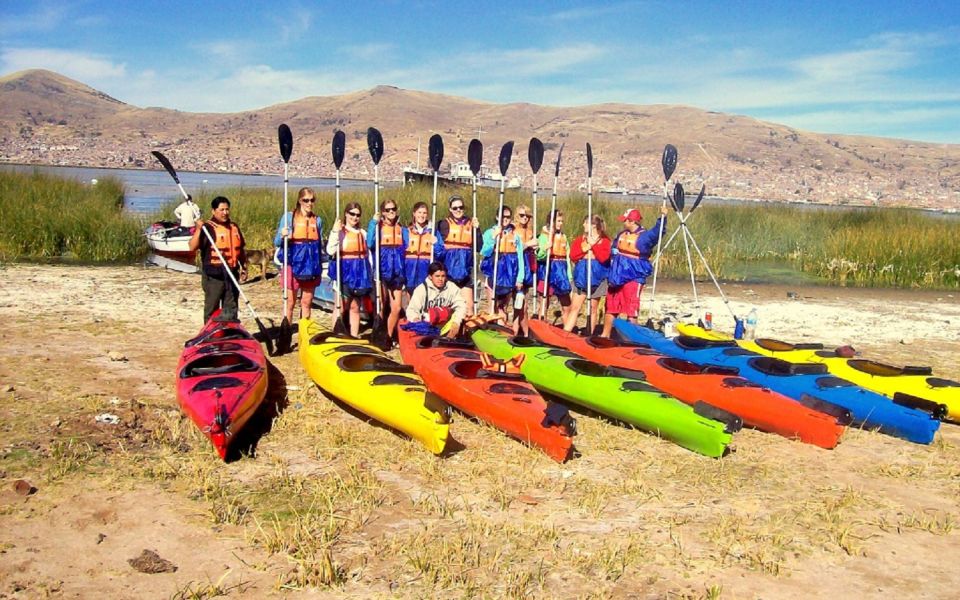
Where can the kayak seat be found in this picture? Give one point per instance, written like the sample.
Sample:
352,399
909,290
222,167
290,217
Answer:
939,382
732,423
432,341
627,373
216,383
597,341
634,385
779,346
645,351
587,368
328,336
513,389
462,354
396,380
525,342
220,347
219,333
218,364
738,352
841,414
561,352
473,369
935,410
720,370
358,363
695,343
357,349
739,382
775,366
879,369
678,365
833,382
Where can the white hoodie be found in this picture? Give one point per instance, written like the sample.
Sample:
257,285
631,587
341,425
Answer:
426,296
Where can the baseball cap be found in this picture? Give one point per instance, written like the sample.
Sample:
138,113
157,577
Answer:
631,214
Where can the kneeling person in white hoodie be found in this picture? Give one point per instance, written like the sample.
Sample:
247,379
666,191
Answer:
437,301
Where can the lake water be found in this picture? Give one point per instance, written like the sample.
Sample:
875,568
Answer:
148,191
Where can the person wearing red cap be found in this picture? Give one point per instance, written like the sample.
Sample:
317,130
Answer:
630,266
437,301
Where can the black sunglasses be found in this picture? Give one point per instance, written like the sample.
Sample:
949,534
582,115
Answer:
308,200
353,213
391,209
456,207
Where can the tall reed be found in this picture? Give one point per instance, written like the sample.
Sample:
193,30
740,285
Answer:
44,217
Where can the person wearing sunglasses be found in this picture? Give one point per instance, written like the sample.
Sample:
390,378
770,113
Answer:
630,266
526,229
456,232
394,240
355,271
509,259
302,228
420,240
552,245
593,248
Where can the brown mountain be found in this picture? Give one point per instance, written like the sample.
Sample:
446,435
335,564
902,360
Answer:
46,118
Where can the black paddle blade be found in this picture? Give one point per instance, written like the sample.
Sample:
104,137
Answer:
589,160
339,148
286,142
285,339
696,203
556,172
475,156
436,151
267,341
535,154
166,164
506,154
375,144
339,326
378,334
669,161
678,196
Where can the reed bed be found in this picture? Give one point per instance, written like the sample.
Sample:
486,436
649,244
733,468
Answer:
861,247
44,217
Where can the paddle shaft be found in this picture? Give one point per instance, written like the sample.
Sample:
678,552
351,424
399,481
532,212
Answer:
589,255
550,240
496,247
286,216
376,238
433,216
473,238
534,227
656,270
339,299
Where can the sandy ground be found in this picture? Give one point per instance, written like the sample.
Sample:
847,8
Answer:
633,516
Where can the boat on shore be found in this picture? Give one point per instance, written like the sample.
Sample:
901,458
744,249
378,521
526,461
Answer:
460,174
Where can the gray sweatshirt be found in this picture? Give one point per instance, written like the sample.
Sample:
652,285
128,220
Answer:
426,295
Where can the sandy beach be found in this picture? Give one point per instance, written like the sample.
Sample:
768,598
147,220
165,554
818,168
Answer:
331,506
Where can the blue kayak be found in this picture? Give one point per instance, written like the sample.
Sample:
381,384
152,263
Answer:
803,382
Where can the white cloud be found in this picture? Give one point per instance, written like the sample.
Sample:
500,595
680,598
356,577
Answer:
91,69
46,17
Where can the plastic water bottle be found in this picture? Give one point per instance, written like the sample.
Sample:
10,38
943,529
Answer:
750,325
708,321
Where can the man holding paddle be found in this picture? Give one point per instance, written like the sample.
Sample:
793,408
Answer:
218,290
630,266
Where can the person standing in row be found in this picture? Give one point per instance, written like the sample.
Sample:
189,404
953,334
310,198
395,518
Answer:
526,229
559,256
302,228
509,263
218,290
456,233
393,246
421,239
630,266
355,271
591,248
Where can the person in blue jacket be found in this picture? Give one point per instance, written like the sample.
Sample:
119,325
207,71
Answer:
303,230
457,232
394,239
348,244
510,263
630,266
553,246
420,239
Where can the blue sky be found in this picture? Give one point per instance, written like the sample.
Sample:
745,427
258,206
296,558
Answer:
878,68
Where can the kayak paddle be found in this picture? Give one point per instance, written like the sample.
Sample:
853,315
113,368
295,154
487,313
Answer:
475,160
378,333
285,137
436,159
506,154
553,230
535,156
338,149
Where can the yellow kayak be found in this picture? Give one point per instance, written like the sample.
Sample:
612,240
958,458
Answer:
362,376
911,386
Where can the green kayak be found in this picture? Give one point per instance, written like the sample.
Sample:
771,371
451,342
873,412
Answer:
618,393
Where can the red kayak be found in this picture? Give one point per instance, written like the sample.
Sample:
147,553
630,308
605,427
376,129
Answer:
456,372
221,380
814,422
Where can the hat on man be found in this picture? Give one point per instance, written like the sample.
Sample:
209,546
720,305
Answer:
631,214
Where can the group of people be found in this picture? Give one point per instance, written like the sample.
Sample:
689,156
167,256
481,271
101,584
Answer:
431,272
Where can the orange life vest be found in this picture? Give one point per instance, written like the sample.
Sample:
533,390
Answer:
559,249
391,235
353,245
304,228
228,241
508,242
419,247
525,233
627,244
459,235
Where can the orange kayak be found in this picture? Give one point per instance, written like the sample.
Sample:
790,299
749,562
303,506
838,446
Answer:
455,371
817,422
